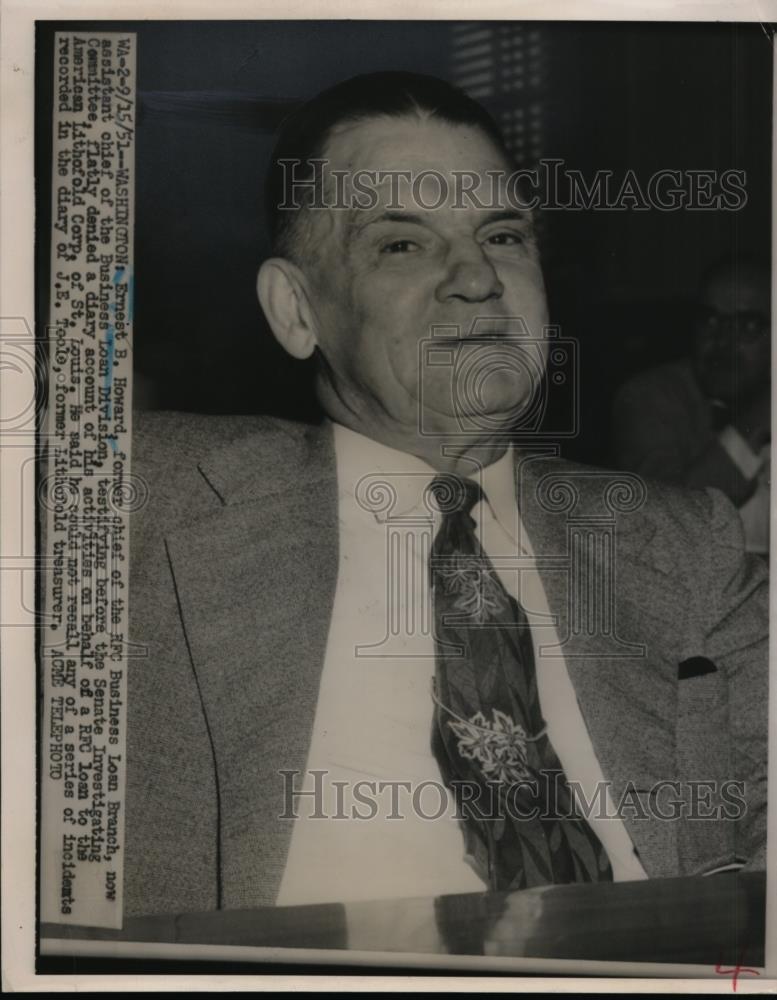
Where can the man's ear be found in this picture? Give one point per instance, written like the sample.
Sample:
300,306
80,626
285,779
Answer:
283,297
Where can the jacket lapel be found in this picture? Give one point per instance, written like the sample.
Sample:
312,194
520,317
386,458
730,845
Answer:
617,597
256,583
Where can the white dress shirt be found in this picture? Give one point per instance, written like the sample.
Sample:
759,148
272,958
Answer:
374,715
755,512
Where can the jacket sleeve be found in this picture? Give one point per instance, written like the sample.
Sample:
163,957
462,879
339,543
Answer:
737,641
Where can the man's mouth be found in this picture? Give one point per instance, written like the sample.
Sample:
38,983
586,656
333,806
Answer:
488,330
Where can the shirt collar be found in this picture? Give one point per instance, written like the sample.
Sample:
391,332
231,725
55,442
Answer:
387,482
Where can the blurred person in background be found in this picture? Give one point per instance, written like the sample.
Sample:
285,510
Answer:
705,420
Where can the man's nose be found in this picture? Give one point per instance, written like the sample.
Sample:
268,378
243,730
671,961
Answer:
470,276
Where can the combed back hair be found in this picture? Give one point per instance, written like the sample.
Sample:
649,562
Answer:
304,134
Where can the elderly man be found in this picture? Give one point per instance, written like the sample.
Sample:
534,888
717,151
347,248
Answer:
394,654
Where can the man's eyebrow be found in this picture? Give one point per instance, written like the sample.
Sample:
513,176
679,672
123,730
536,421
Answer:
507,215
358,223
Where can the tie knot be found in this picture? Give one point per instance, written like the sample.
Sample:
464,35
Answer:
453,495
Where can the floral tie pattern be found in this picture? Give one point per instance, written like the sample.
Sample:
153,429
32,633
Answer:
518,816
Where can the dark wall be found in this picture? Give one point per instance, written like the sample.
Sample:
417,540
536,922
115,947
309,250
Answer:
650,97
613,96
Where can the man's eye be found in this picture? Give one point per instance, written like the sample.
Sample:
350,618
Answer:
399,246
505,239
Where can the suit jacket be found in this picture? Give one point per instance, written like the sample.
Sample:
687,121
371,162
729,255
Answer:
662,426
233,576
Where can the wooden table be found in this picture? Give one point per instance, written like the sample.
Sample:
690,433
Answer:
717,919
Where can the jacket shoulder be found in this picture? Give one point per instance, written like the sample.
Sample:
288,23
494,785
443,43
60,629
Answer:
180,438
172,453
630,496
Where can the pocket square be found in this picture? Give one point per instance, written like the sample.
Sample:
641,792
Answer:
696,666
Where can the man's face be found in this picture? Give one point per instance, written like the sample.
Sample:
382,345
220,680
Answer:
732,337
382,278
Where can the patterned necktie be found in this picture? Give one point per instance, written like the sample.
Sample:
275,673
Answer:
519,820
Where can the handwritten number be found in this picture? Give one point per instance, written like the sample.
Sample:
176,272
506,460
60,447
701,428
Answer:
736,971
